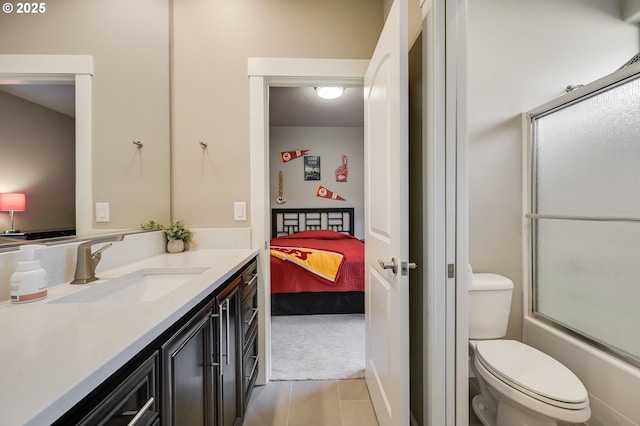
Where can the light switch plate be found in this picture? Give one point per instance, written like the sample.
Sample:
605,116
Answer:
102,212
240,211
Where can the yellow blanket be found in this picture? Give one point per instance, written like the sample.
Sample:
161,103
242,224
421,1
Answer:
325,264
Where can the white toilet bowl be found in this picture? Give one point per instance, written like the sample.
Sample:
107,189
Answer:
522,386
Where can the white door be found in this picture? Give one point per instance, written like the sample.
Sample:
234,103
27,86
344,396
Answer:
386,221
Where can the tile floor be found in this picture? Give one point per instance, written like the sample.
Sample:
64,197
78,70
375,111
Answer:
311,403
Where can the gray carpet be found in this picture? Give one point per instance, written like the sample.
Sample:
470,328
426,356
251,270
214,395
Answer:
317,347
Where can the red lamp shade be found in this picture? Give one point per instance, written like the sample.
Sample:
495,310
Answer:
12,202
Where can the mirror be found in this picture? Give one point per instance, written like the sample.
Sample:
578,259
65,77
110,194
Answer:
37,135
119,64
59,69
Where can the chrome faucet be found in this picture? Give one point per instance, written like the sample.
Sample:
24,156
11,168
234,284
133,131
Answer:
86,262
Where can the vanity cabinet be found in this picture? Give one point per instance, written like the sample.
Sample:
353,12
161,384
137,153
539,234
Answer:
202,365
198,372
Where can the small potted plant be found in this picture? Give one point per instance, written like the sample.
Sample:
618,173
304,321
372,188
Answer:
178,235
151,225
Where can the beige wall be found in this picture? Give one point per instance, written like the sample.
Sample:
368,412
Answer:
211,41
210,90
521,55
37,144
129,41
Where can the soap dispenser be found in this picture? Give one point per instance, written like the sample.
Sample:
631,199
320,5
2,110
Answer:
29,281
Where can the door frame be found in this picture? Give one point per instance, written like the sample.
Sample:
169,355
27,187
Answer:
456,99
446,340
283,72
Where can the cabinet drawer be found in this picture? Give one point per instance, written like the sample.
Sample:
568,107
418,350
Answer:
250,294
250,366
250,311
250,314
249,322
250,280
136,398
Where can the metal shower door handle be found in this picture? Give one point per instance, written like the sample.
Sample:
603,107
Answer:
393,265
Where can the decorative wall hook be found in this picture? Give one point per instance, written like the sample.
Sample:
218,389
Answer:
203,145
138,144
570,88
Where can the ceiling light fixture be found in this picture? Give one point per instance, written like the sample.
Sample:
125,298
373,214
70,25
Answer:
329,92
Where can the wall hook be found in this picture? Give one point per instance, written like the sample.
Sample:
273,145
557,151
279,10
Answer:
203,145
138,144
570,88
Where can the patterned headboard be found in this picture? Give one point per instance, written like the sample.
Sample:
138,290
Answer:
289,221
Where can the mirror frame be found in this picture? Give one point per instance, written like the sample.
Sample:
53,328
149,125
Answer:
16,69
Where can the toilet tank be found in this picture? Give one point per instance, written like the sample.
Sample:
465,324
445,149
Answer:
489,305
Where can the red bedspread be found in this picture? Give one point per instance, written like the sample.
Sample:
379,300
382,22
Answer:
286,277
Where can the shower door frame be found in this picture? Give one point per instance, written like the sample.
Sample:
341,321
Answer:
529,221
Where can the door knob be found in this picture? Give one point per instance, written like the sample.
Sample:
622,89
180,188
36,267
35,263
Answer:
393,265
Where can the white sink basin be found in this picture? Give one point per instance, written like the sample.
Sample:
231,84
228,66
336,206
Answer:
144,285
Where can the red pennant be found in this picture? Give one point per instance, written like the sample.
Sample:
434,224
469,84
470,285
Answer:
323,192
286,156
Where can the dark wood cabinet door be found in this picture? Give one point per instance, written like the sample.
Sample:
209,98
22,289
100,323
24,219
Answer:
230,349
188,398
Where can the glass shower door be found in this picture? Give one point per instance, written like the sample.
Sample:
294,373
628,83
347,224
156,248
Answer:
585,217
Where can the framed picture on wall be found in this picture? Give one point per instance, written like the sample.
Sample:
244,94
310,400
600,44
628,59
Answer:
311,167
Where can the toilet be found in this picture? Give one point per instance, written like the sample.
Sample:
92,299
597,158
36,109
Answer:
519,385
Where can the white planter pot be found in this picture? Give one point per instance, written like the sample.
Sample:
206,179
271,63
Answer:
175,246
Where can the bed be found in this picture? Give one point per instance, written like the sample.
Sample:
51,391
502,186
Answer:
299,289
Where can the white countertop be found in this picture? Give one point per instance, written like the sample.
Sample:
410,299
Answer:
52,355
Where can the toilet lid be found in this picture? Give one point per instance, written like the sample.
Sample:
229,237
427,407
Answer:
532,372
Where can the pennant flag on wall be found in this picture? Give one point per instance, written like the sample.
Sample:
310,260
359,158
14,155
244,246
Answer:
323,192
281,199
292,155
343,171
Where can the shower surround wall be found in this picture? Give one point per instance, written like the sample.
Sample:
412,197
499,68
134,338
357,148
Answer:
521,55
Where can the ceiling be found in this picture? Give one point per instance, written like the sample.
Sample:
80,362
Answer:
57,97
288,106
302,107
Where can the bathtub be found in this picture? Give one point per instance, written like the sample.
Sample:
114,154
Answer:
613,385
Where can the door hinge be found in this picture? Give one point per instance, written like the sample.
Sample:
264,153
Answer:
451,270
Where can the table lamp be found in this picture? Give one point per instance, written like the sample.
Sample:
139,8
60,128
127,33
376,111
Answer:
12,202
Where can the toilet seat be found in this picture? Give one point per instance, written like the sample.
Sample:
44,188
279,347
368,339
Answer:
532,372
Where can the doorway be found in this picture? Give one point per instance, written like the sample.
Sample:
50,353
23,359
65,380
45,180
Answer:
318,328
265,72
